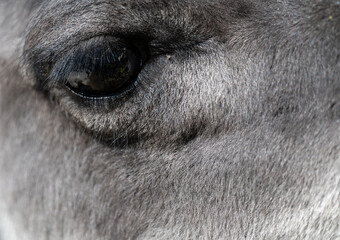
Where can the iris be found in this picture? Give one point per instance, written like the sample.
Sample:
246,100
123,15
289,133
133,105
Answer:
104,72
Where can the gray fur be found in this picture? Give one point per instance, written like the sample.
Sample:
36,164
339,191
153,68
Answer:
231,132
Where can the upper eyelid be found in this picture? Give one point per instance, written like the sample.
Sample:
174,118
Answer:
51,30
46,59
51,36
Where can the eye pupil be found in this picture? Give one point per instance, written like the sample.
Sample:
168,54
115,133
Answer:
106,74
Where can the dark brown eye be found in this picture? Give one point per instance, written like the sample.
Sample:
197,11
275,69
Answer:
104,72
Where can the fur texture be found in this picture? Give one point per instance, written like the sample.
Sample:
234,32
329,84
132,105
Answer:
232,130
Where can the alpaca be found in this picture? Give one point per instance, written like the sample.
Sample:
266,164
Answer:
152,119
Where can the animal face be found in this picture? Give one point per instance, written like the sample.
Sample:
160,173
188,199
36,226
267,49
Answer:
150,119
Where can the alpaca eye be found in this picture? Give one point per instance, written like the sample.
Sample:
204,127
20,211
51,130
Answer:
104,72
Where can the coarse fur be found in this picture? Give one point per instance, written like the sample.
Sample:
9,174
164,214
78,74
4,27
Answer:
231,131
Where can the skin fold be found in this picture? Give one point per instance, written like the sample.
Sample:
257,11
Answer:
231,130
